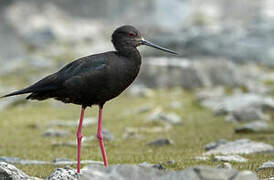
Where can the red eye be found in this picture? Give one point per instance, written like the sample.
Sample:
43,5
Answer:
131,34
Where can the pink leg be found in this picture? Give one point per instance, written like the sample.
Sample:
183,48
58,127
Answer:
79,139
100,137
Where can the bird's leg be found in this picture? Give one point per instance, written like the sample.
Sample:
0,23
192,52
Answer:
100,136
79,139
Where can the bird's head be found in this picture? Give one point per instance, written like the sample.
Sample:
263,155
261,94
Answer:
129,36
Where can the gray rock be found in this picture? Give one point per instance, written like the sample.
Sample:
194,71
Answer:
241,146
248,114
158,116
213,145
134,172
8,171
267,165
66,173
230,158
16,160
168,72
229,104
55,133
160,142
61,123
254,127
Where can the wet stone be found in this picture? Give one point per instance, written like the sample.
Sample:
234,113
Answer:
160,142
55,133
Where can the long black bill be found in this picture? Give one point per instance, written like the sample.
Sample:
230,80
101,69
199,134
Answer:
144,42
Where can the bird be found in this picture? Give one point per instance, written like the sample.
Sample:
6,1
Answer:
94,79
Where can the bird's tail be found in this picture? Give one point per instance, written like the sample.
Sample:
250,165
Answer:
22,91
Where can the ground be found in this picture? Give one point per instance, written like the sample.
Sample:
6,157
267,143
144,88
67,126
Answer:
200,126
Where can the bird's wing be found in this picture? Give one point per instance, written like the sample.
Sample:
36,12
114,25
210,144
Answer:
88,71
56,81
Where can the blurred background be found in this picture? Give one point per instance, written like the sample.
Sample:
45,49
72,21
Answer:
225,67
40,34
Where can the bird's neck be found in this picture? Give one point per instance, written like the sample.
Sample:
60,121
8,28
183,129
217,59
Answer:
130,53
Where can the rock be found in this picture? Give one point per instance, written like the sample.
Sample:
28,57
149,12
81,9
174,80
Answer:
225,166
134,172
248,114
156,166
229,158
213,145
61,123
240,146
267,165
16,160
55,133
171,118
169,72
67,173
254,127
160,142
8,171
246,175
229,104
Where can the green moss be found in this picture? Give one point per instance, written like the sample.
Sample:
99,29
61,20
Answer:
200,126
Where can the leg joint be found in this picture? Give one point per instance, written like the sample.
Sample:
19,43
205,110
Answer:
99,136
79,135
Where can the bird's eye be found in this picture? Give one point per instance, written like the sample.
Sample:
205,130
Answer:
131,34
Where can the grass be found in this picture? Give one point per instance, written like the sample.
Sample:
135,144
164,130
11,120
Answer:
200,126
